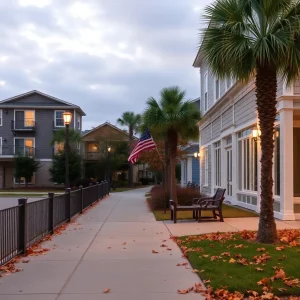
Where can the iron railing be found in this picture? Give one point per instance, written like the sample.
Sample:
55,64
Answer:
26,224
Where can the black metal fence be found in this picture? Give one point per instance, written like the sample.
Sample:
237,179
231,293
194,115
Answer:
23,225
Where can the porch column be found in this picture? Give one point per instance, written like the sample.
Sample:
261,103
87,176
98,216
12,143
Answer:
235,168
189,169
182,163
286,161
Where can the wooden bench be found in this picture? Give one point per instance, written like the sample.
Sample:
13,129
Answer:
174,207
210,204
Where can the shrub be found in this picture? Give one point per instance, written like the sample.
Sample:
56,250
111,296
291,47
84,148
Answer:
185,196
145,180
135,184
85,182
120,184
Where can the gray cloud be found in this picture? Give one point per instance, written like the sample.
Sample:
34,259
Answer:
107,56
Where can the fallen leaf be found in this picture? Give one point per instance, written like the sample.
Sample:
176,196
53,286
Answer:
260,249
182,291
206,281
196,271
280,248
153,251
106,291
232,261
264,281
259,269
163,245
124,243
280,274
169,249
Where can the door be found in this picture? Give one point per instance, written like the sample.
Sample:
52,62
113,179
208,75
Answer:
229,172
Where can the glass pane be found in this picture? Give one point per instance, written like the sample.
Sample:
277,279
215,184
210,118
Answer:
240,166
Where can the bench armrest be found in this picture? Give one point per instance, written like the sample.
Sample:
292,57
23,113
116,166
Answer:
208,201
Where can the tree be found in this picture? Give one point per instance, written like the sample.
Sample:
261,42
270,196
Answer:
60,136
57,169
133,121
258,38
25,166
175,119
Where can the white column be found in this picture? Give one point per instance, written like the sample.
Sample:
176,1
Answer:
182,173
286,162
200,163
212,166
223,165
235,168
190,169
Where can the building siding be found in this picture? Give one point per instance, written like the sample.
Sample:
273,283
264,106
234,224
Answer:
227,118
216,128
245,108
206,135
196,171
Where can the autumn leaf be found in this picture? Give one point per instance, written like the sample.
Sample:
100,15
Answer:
280,248
169,249
124,243
280,274
232,261
239,246
196,271
182,291
206,281
253,293
260,249
106,291
264,281
153,251
25,261
267,296
163,245
259,269
282,289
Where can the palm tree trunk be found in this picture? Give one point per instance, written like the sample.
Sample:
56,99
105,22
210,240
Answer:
266,87
130,170
172,142
166,168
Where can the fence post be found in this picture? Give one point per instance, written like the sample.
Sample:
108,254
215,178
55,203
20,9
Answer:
51,213
101,189
97,184
23,225
108,188
81,197
68,204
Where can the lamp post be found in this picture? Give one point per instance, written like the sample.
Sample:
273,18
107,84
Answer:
108,164
67,116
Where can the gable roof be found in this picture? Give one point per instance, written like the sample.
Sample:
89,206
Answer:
61,103
87,132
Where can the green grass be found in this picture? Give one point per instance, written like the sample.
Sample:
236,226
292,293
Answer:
22,195
228,212
123,189
238,277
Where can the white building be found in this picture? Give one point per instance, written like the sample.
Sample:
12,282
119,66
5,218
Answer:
230,145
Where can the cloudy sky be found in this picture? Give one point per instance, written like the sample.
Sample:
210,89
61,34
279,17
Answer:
107,56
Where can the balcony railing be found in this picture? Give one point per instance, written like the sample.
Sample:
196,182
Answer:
21,125
15,150
92,155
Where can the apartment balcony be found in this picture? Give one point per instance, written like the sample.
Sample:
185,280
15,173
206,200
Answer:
23,126
8,152
92,155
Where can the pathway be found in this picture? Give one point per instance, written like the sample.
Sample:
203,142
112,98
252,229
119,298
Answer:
110,246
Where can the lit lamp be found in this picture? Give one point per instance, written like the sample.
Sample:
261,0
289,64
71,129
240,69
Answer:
108,148
256,133
197,155
67,116
108,165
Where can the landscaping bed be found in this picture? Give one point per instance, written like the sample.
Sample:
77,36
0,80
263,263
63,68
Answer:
229,262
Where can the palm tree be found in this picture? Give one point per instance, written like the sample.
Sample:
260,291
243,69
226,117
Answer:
59,136
133,121
174,118
246,38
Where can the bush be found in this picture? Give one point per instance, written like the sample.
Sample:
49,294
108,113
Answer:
145,180
185,196
120,184
136,184
85,182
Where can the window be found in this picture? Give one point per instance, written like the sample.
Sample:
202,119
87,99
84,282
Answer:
205,92
78,147
24,146
217,89
78,123
206,167
21,180
217,157
228,83
0,117
29,117
58,147
247,147
59,120
277,162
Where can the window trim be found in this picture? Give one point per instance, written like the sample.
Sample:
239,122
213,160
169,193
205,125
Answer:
78,123
24,138
58,110
215,89
1,145
206,167
218,164
29,183
206,91
1,117
15,110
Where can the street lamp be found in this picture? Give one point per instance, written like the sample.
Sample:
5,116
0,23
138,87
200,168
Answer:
67,116
197,155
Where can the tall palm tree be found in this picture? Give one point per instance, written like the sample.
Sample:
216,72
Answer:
133,121
260,38
60,136
174,118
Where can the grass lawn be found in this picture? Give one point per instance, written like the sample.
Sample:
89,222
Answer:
15,195
228,212
229,260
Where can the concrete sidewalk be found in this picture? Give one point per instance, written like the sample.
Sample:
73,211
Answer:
109,247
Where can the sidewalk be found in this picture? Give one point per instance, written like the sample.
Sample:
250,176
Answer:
109,247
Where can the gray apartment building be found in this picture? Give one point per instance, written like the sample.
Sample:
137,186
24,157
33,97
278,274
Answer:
27,124
230,149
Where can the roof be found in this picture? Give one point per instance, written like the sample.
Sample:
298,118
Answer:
192,149
87,132
60,103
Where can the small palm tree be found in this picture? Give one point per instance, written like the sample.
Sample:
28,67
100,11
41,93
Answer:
174,118
260,38
59,136
133,121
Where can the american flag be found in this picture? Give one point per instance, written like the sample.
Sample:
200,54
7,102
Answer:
145,143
